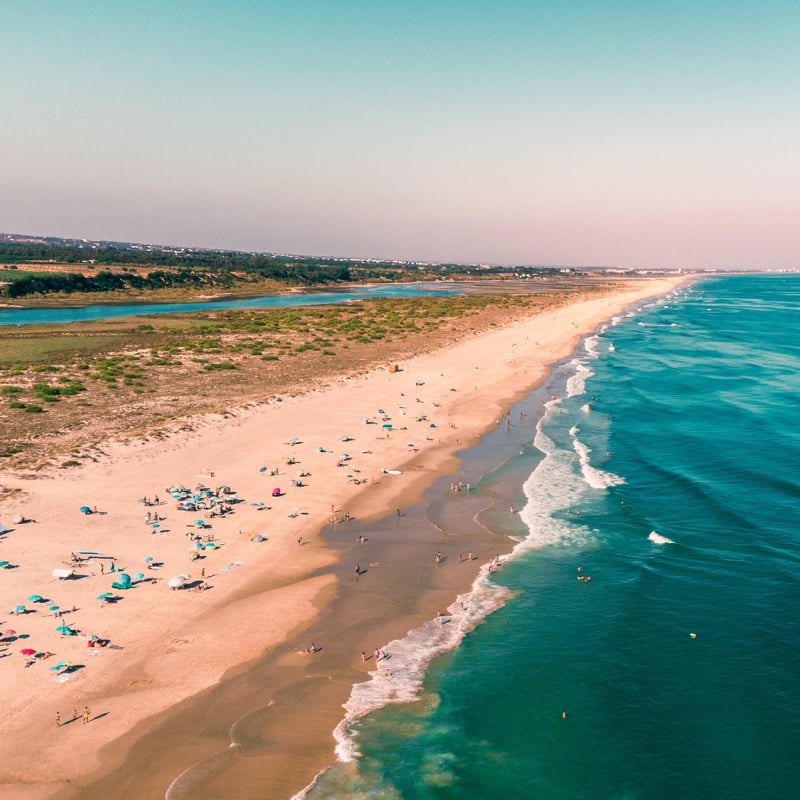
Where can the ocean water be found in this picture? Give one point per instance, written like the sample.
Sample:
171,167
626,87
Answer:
662,462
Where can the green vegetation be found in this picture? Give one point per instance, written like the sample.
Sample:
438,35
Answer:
90,268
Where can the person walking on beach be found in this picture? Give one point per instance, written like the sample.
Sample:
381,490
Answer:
58,719
85,714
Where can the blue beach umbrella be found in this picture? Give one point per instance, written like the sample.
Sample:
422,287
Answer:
3,564
19,610
65,630
35,598
86,510
139,576
148,559
54,608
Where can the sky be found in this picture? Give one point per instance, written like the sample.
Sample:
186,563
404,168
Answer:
619,133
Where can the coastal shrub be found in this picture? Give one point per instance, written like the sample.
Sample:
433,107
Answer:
220,365
269,358
16,404
10,389
33,409
72,388
71,463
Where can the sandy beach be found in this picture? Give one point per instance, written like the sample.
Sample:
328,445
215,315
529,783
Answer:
261,579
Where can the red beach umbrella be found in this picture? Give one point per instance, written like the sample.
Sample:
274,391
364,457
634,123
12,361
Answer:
10,633
28,651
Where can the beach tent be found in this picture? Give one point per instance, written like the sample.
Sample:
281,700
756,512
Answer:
124,582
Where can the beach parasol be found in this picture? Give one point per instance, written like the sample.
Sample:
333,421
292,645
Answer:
200,523
3,564
60,665
65,630
35,598
86,510
9,633
262,469
19,610
28,651
139,576
54,608
105,595
148,559
18,519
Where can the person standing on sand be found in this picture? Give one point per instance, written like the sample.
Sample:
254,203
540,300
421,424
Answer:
85,714
58,719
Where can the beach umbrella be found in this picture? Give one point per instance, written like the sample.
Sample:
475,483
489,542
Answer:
28,651
139,576
18,519
86,510
54,608
105,595
262,469
200,523
3,564
155,526
35,598
148,559
19,610
65,630
9,633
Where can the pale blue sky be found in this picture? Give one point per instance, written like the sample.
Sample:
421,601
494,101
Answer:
614,133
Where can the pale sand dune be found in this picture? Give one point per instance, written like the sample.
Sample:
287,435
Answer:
176,643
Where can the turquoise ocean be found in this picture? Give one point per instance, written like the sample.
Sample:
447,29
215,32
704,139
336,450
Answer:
663,460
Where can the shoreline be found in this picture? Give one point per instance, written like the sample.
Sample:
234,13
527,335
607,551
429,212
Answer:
297,583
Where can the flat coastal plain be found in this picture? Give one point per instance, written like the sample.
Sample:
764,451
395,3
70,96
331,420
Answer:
174,676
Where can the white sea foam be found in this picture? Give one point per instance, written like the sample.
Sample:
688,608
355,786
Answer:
657,538
550,488
591,344
596,478
398,677
576,383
